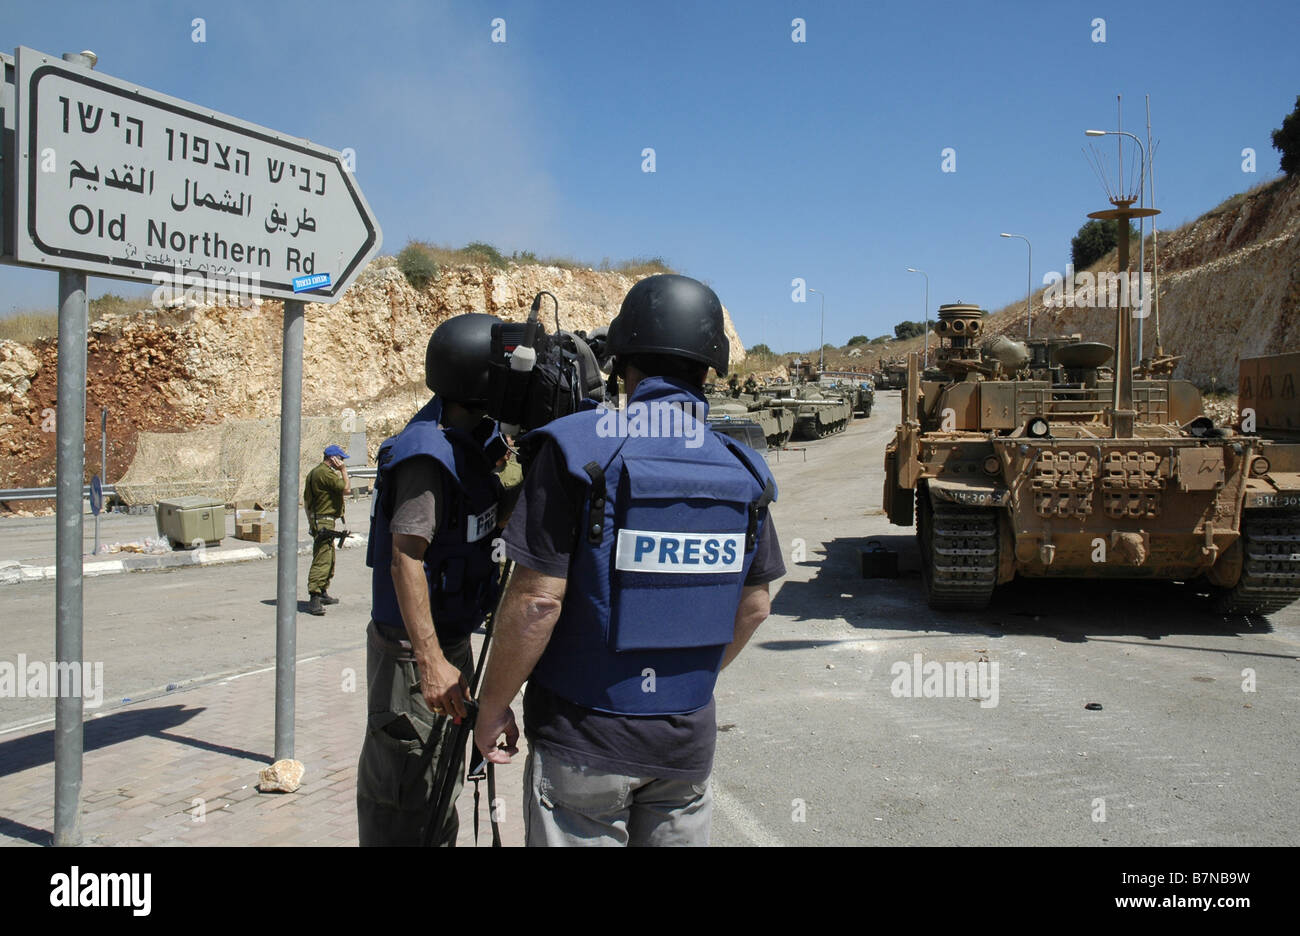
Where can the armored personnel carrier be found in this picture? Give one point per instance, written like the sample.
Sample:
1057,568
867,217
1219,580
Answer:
1036,461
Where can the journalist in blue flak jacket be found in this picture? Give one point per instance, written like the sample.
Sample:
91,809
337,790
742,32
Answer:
643,551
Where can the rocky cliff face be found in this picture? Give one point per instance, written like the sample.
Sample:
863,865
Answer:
363,355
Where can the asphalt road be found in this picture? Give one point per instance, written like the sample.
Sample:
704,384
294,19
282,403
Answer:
177,627
814,747
817,749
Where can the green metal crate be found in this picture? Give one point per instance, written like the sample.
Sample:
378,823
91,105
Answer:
189,521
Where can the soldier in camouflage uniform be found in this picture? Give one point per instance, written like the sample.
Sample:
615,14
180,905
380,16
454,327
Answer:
322,498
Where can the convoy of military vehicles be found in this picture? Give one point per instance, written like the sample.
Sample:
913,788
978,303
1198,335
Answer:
810,404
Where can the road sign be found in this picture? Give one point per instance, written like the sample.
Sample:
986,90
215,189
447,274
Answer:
96,495
117,180
7,119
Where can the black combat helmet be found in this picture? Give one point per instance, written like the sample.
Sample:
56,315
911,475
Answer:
674,315
456,361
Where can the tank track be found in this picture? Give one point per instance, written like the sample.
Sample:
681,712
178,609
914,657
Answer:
1270,575
959,554
825,429
811,428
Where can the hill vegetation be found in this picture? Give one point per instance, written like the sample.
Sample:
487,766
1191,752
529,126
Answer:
421,261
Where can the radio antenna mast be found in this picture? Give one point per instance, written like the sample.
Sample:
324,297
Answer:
1123,414
1155,240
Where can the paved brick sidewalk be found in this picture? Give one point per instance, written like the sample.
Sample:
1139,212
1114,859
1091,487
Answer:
147,763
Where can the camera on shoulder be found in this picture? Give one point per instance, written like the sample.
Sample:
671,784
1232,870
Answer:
535,377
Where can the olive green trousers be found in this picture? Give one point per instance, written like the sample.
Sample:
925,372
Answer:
322,560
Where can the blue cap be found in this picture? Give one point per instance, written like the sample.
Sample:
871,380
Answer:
335,450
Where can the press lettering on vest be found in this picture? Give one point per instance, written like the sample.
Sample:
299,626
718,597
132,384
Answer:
480,525
691,552
655,551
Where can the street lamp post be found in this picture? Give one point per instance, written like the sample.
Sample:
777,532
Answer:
1029,285
1142,192
927,311
821,345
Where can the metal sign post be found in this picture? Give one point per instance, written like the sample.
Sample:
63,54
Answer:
286,573
109,178
70,470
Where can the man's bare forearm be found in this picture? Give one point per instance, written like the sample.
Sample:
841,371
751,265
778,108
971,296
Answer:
755,605
413,599
529,610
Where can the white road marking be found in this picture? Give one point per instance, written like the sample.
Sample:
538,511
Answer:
43,721
264,669
744,821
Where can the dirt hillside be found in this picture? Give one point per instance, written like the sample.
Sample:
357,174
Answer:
364,354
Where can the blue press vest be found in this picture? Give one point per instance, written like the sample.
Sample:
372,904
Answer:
462,576
660,559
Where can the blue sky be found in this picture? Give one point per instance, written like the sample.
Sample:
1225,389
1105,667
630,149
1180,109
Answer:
774,159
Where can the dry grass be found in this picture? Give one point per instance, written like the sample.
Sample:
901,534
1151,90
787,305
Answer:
1236,201
29,327
481,254
33,326
522,257
638,266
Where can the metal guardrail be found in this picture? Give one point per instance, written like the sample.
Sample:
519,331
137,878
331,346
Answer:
9,494
48,493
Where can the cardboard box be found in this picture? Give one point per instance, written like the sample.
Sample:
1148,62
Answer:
262,531
249,511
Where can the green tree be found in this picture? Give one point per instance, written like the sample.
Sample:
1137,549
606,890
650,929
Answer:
858,339
417,265
1287,140
905,330
760,349
1096,239
880,339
